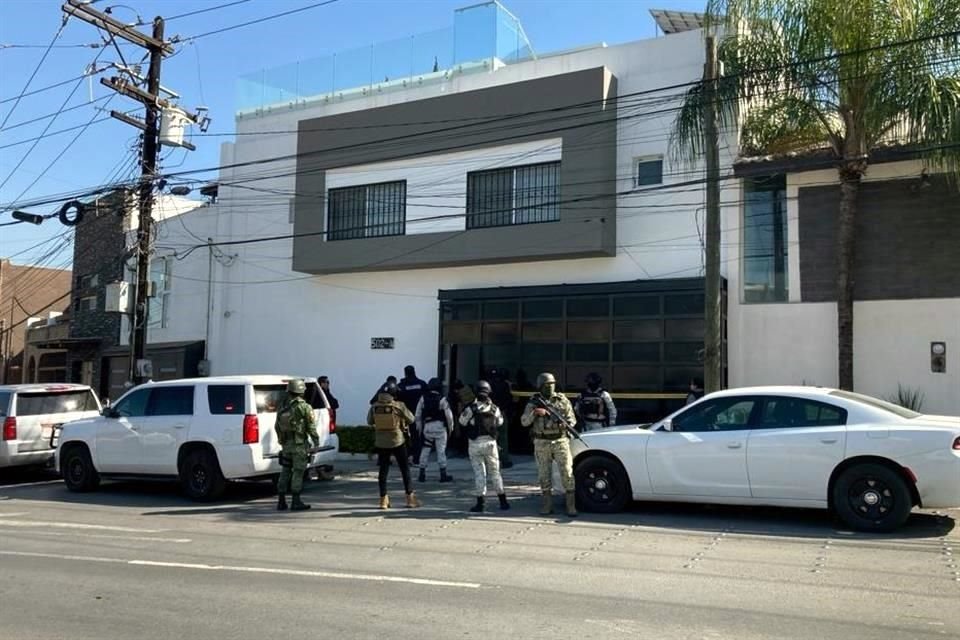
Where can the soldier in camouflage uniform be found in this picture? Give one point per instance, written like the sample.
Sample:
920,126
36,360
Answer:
391,422
551,442
295,426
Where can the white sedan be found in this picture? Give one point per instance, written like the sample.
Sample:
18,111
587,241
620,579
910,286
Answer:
868,460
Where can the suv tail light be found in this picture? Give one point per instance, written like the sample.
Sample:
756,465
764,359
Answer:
956,444
251,429
10,428
333,420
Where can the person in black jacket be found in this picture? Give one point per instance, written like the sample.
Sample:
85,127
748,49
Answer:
324,383
410,390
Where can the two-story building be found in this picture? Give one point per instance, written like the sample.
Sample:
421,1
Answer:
460,203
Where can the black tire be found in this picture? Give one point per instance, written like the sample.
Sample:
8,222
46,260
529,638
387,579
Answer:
872,497
602,485
200,475
77,469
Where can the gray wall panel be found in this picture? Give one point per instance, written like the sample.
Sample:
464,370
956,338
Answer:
477,119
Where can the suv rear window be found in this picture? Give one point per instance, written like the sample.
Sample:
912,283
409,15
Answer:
225,399
38,404
4,403
269,396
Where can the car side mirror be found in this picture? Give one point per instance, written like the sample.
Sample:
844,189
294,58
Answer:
666,425
110,412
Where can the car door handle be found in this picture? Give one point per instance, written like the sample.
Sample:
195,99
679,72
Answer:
179,426
133,428
828,440
734,445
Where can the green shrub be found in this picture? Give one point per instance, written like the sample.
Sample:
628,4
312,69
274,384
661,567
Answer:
358,439
908,398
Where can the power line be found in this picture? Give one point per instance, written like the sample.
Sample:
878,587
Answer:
199,11
51,115
256,21
50,86
36,69
63,106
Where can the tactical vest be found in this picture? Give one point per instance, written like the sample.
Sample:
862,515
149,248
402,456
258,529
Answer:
289,433
592,406
484,423
386,418
546,427
431,408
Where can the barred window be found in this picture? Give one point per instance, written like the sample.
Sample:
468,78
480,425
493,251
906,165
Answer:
514,195
367,211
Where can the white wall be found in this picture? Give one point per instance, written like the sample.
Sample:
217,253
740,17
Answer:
268,319
795,342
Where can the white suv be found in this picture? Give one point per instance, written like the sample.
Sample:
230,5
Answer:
203,431
31,412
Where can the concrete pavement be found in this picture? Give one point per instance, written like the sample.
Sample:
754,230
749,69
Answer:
138,560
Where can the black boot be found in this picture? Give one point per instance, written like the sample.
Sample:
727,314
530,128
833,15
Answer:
444,477
297,504
504,505
478,508
423,475
281,502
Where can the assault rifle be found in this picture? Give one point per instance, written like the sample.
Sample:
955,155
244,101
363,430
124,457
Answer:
541,403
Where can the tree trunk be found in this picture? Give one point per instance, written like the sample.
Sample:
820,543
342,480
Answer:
850,177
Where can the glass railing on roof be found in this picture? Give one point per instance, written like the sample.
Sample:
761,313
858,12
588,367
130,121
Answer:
482,36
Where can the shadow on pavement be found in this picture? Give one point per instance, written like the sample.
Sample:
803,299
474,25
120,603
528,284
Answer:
354,496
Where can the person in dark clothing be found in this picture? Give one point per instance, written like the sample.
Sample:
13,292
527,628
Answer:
696,391
502,396
324,383
391,380
410,389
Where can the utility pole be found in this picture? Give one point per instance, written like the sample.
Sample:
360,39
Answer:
712,360
150,149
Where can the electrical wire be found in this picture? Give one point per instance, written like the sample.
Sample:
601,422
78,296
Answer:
36,69
256,21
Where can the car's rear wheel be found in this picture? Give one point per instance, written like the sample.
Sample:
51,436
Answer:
77,469
872,497
200,475
602,485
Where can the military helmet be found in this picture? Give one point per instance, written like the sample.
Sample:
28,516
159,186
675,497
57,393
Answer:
594,380
545,378
435,384
483,387
297,386
391,388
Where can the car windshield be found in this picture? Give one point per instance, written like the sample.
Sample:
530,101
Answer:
36,404
876,403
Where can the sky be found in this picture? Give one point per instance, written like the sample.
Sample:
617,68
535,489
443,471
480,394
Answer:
205,72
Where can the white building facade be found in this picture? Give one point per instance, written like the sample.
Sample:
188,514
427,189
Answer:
522,215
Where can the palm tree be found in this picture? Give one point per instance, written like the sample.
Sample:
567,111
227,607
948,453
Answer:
847,76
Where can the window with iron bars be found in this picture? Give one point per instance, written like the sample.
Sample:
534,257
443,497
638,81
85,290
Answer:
367,211
514,195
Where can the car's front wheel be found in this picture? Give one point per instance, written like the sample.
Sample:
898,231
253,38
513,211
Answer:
872,497
602,485
200,475
77,469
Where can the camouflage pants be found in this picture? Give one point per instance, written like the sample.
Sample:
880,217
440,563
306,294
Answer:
291,478
434,437
547,452
486,463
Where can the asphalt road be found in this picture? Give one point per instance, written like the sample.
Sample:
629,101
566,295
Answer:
139,561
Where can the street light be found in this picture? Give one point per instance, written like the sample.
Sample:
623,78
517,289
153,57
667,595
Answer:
23,216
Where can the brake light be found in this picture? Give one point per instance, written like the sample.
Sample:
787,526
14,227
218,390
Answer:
333,421
956,444
10,428
251,429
